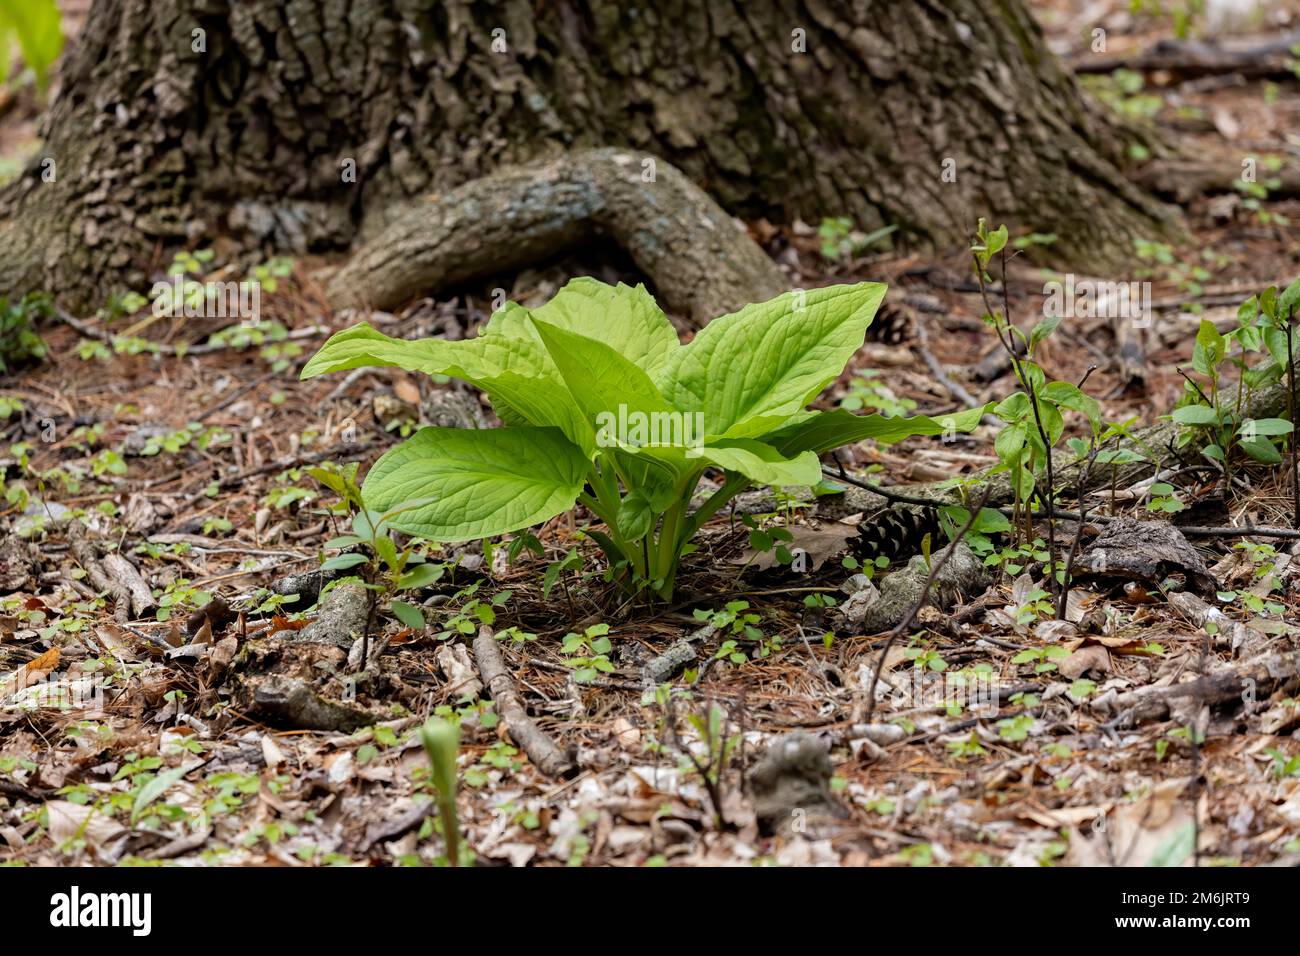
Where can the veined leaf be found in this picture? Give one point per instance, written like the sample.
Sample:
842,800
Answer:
481,481
510,364
1266,426
822,431
1262,450
606,386
625,318
363,345
763,463
1195,415
1209,349
409,614
751,370
635,517
155,788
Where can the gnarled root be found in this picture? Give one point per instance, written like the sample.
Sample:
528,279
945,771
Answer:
696,257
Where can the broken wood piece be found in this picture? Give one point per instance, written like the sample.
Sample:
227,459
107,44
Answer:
1252,57
541,750
961,577
125,574
395,827
1247,681
341,618
661,668
289,702
1185,179
84,554
1144,551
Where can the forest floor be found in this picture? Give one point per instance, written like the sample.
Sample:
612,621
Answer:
193,467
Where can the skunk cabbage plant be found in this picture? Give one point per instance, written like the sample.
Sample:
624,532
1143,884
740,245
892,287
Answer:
602,404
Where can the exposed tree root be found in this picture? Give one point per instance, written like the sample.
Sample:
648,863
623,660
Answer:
698,260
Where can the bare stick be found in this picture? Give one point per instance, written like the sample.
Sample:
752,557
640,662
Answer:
541,750
910,616
1193,530
955,389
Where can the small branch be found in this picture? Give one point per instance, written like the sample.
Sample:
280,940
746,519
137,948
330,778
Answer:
1252,57
1201,531
955,389
541,750
910,616
1205,398
678,655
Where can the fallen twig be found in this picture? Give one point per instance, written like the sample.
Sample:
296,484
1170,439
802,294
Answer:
954,388
906,622
659,669
541,750
1252,57
1194,530
1256,677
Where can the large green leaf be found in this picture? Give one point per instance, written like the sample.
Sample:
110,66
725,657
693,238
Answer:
623,317
481,482
605,385
363,345
509,363
35,24
750,371
763,463
822,431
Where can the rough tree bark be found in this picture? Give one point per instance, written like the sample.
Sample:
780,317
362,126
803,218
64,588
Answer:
181,119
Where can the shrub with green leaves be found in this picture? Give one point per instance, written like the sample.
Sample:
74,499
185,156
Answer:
19,342
1262,328
603,405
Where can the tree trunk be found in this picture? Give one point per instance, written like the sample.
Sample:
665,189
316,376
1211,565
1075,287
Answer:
179,120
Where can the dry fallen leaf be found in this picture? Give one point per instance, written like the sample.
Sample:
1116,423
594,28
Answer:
817,544
462,678
405,389
70,821
1090,657
37,669
271,752
1156,830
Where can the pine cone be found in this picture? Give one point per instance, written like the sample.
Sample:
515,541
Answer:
895,323
896,533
